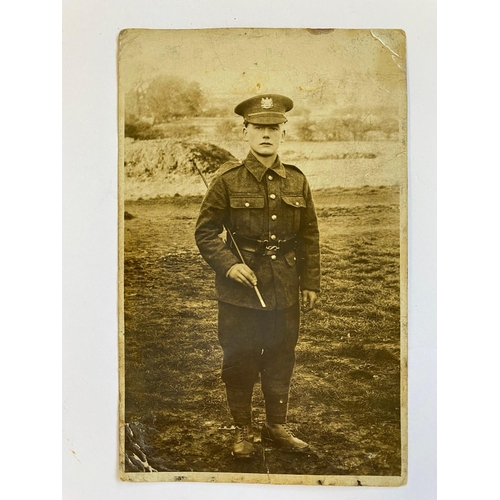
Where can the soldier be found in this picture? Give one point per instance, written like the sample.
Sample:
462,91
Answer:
268,207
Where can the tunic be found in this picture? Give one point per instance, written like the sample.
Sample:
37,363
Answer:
263,204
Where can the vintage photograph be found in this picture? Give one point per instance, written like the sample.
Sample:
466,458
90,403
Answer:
263,256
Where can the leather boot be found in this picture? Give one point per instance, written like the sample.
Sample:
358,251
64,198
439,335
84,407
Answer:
282,438
243,441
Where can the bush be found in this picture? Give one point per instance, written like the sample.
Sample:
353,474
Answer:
306,130
336,129
228,130
137,129
349,128
389,126
178,130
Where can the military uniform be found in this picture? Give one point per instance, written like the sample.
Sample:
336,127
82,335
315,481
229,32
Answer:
270,212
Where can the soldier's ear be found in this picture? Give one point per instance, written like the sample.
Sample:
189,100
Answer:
245,133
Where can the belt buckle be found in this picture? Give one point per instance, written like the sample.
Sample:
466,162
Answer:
263,247
272,248
275,249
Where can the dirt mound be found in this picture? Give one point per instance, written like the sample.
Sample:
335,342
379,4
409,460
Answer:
166,167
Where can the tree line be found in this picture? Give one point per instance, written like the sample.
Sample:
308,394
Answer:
166,99
347,128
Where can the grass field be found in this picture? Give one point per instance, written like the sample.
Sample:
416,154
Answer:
345,395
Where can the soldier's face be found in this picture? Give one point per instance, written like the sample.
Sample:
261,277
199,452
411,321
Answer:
264,139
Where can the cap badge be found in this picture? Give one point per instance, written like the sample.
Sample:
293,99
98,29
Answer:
266,103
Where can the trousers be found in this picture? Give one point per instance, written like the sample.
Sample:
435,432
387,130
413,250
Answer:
258,342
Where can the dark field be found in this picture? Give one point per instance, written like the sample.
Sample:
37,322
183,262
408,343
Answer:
345,394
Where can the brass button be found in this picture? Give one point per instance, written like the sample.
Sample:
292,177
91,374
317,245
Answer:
273,236
273,257
295,258
297,203
247,204
270,177
272,196
274,217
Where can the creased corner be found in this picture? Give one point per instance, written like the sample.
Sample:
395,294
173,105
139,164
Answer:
388,40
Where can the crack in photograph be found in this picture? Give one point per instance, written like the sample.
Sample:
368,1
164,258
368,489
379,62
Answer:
263,256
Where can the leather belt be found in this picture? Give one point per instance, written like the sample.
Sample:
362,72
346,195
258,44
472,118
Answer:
266,247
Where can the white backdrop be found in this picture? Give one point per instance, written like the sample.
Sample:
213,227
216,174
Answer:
90,359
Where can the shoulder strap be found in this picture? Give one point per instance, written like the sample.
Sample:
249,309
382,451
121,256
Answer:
229,165
293,167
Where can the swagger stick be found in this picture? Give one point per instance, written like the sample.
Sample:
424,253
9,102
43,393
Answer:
259,296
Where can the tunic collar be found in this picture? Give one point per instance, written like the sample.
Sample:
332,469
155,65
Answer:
258,169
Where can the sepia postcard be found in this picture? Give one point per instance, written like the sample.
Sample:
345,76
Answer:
263,256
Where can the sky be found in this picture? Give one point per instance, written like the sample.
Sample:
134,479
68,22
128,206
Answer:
318,69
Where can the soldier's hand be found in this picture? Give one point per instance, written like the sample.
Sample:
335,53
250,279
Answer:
309,299
242,274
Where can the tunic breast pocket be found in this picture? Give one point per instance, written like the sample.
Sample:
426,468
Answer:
247,214
294,206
